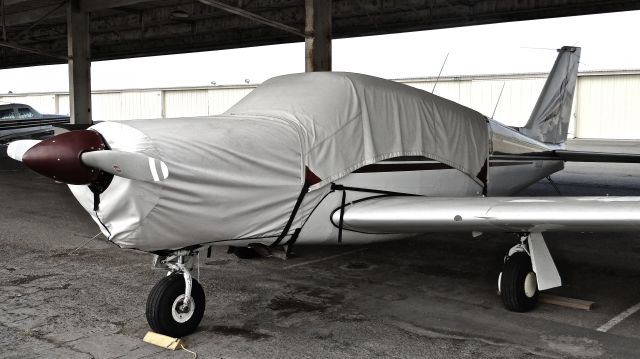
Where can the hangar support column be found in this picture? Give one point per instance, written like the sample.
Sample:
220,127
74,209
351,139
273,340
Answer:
318,35
79,50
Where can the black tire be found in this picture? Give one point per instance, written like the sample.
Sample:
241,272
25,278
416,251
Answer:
161,300
512,284
244,252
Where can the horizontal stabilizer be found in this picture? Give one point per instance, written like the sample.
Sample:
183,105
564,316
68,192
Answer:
582,156
416,214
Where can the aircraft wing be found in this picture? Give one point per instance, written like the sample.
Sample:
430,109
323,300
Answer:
417,214
584,156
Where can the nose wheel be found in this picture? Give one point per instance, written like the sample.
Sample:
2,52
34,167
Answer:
176,303
167,312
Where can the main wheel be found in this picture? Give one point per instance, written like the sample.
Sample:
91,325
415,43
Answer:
165,312
518,285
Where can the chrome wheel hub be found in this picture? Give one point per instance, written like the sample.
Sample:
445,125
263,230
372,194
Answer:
180,312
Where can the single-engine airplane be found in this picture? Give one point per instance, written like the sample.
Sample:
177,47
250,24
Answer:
328,158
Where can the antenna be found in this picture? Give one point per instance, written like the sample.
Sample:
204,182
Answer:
497,102
439,73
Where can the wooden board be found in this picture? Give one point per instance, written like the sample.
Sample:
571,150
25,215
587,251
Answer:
566,302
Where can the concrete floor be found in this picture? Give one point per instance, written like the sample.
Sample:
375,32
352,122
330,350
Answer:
431,296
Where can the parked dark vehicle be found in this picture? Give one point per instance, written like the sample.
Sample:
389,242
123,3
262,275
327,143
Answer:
20,121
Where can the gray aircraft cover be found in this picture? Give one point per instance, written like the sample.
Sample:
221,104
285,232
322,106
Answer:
238,175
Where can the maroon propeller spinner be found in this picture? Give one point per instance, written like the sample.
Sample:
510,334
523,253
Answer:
58,157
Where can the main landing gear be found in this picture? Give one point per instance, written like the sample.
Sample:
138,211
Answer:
527,269
176,303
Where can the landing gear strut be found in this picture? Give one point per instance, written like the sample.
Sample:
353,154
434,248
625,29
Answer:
176,303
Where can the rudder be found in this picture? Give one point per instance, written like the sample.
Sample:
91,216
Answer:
549,120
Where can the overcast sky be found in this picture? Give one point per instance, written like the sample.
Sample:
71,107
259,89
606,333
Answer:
608,41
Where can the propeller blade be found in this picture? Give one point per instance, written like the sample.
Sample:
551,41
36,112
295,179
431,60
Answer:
17,149
131,165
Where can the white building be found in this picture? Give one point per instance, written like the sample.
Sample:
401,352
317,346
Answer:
606,105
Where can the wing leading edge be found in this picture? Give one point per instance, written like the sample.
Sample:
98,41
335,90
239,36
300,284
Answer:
405,214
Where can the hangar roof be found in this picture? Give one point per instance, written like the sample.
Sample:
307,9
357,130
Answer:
133,28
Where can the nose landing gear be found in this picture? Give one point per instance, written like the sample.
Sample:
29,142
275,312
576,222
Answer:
176,303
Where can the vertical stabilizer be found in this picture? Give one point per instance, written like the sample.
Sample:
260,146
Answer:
549,121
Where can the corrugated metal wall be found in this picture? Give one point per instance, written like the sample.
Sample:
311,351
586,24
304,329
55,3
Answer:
201,102
608,107
483,95
186,103
222,100
605,105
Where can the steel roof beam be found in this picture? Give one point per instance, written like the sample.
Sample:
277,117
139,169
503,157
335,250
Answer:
54,11
120,35
249,15
92,5
30,16
31,50
43,17
14,2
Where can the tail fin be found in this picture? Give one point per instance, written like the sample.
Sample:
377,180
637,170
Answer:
549,121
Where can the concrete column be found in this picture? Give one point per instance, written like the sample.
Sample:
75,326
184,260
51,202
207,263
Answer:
79,51
318,31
